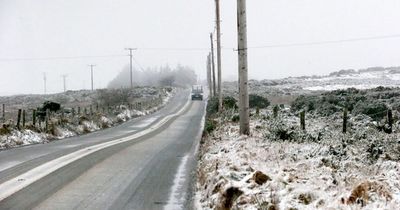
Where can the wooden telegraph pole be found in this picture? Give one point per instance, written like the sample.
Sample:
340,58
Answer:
91,74
243,69
209,73
64,81
213,66
219,54
130,64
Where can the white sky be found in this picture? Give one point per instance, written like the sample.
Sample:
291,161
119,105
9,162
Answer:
64,28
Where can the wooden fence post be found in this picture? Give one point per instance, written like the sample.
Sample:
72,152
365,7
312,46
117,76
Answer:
34,118
19,119
344,120
79,110
275,110
23,118
47,119
303,120
91,110
390,120
4,113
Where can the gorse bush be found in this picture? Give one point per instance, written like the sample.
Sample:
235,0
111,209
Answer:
376,109
210,125
227,103
257,101
371,102
235,118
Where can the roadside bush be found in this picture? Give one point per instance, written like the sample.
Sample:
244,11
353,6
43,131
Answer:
5,129
257,101
307,103
210,126
235,118
229,102
375,109
212,105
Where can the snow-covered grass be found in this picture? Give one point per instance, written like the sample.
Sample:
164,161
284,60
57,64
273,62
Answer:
73,125
320,168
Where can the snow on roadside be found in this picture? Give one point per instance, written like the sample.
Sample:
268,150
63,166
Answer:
14,138
301,174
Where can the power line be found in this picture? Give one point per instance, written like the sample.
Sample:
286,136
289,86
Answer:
60,58
140,66
327,42
175,49
194,49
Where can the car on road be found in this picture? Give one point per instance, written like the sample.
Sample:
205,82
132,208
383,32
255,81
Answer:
197,92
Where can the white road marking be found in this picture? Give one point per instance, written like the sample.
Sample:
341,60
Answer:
18,183
176,199
144,123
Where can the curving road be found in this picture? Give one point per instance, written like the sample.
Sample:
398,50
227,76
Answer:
146,163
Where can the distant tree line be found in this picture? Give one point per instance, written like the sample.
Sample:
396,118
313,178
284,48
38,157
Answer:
179,76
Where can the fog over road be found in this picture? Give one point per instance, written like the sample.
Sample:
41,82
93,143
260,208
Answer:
146,163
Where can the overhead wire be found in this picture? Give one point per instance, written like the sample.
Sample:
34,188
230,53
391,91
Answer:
195,49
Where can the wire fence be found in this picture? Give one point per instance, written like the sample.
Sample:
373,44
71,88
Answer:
39,119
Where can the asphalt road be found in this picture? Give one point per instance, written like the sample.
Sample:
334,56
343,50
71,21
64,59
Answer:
146,163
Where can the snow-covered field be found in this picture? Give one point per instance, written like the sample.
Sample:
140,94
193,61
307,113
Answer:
73,125
319,168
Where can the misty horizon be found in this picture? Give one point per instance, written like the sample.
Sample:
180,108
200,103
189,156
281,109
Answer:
285,39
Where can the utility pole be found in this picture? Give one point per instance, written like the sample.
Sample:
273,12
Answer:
44,82
213,66
91,74
209,73
131,57
243,68
219,54
64,81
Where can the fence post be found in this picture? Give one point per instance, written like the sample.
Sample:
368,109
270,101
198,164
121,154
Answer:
79,110
34,118
390,119
303,120
91,110
344,120
4,113
19,119
23,118
47,119
97,107
275,110
85,111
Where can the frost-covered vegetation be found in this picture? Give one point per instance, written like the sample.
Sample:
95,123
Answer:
280,166
81,112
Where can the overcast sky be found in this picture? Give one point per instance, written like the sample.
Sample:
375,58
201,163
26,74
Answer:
52,29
